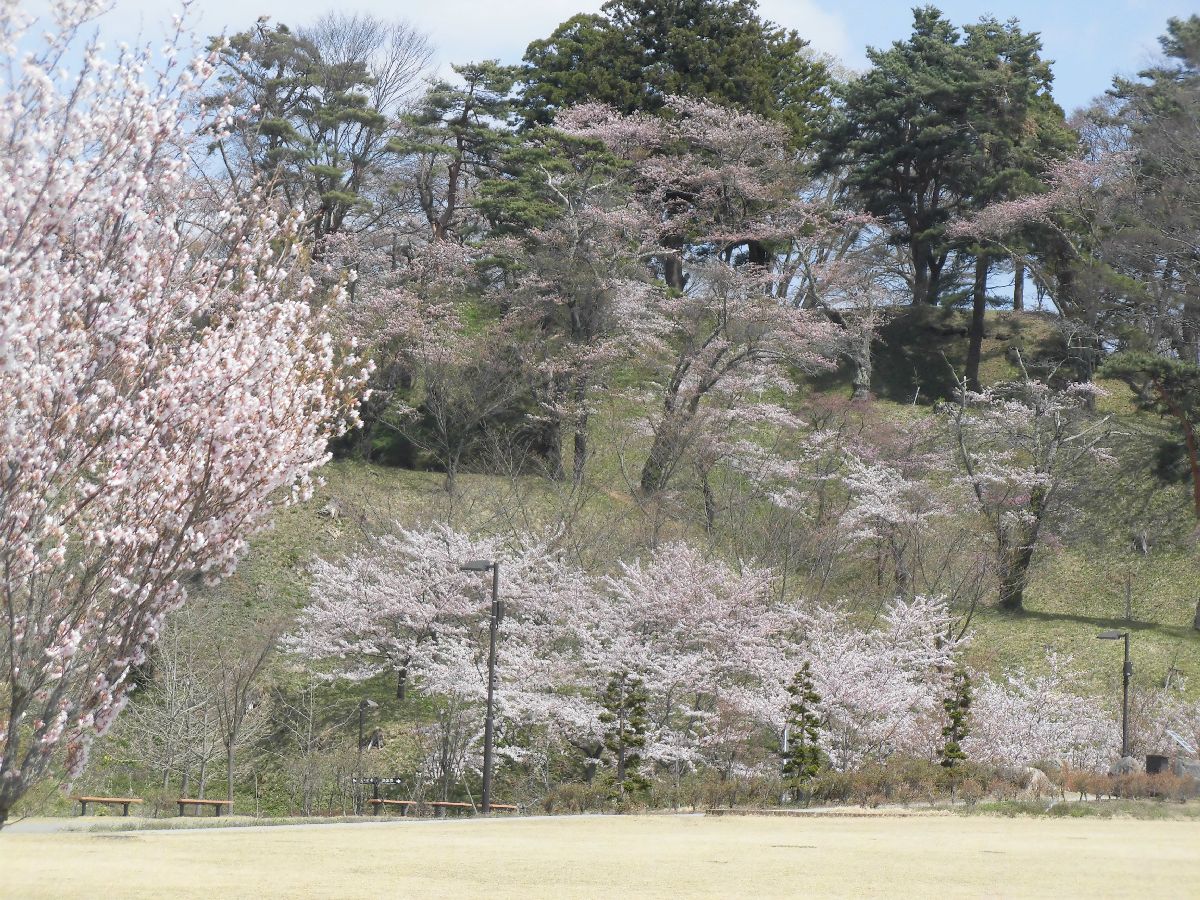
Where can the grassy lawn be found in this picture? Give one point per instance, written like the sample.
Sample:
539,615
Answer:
652,856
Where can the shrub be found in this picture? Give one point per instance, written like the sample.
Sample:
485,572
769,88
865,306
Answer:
971,791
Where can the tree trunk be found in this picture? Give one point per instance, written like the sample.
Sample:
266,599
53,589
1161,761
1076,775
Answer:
1012,585
551,441
672,264
921,280
860,360
1014,569
657,470
580,450
1018,284
1189,440
710,502
975,332
1196,621
229,760
756,253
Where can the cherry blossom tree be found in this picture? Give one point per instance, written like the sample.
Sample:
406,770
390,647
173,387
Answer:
1021,446
690,629
717,186
585,300
881,688
404,606
446,367
1025,718
163,380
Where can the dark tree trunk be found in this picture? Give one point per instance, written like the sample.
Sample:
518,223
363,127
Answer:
860,361
673,271
659,464
579,459
551,442
975,332
1014,578
756,253
1018,284
1189,441
1016,558
710,502
921,281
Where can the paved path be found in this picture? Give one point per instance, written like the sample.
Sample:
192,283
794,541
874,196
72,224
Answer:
113,824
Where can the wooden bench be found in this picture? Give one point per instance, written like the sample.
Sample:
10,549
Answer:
403,804
110,801
505,807
190,801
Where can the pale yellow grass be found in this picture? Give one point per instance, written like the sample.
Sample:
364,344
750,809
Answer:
659,856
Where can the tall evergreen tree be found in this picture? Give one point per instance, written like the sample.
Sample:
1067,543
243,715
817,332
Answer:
625,722
315,110
456,139
958,708
903,138
1154,242
636,53
1018,130
802,758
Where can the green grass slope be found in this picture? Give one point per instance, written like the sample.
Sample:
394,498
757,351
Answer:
1080,581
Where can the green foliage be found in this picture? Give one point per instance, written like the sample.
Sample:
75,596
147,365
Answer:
624,719
636,53
457,135
958,708
943,123
1169,387
303,119
538,179
901,139
802,758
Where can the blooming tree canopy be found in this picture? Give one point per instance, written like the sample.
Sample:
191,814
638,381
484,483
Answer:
163,380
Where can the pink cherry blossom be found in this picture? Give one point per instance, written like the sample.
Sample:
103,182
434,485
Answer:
163,380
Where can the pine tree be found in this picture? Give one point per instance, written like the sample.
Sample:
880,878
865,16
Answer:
625,722
958,709
635,54
1019,130
314,113
456,139
802,758
902,137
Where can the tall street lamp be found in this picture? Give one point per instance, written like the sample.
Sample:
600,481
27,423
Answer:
1126,677
481,565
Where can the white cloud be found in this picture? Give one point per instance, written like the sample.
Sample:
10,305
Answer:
825,30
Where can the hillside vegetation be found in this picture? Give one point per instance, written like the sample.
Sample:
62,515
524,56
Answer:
810,425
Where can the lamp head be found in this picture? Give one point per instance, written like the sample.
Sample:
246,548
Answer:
476,565
1111,635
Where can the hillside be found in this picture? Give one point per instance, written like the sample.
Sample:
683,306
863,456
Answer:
1079,582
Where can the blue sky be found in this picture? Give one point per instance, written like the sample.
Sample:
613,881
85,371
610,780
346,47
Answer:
1089,41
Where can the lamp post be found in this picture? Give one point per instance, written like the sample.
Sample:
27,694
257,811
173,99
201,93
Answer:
480,565
1126,677
363,706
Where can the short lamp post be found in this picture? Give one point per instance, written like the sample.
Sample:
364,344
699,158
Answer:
1126,677
480,565
363,706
